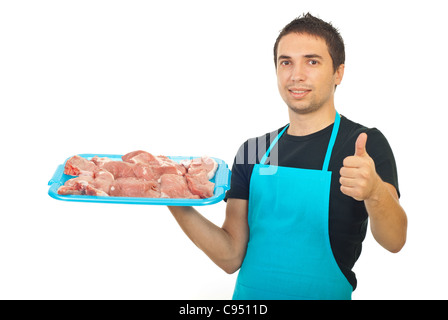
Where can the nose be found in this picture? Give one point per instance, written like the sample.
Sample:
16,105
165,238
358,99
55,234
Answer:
298,74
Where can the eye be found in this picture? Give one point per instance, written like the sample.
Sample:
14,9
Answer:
313,62
285,63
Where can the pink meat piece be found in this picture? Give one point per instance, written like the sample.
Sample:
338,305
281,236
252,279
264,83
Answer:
167,169
199,184
81,180
77,165
119,169
140,156
175,186
133,187
96,185
169,166
67,190
130,155
145,172
75,185
100,161
101,184
123,169
160,164
197,165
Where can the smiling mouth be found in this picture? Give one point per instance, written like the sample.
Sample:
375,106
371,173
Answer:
298,94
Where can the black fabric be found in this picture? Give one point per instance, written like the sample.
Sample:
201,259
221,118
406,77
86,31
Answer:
348,218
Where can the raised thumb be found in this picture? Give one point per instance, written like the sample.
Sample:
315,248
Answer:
360,146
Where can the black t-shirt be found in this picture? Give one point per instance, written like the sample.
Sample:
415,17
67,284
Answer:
348,217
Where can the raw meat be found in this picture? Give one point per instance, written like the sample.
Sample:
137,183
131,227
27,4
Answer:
160,164
166,165
119,169
101,184
140,174
200,185
140,157
75,185
77,165
199,172
145,172
96,185
133,187
207,164
100,161
175,186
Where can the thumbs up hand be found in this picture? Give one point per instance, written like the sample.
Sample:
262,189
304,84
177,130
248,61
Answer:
358,175
360,145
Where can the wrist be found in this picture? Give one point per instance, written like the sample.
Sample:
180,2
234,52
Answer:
376,191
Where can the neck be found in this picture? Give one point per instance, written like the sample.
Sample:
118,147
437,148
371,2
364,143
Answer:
305,124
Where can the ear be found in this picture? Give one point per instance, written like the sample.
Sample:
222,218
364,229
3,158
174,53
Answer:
339,74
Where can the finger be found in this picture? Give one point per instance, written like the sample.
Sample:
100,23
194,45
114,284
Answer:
351,192
347,172
347,182
352,162
348,191
360,145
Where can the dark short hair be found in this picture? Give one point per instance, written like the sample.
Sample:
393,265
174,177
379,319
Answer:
314,26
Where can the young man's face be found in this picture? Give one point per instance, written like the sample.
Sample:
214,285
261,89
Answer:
305,75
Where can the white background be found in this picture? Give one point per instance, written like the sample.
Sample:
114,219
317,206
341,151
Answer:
193,78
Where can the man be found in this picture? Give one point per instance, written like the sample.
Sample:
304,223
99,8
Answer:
301,196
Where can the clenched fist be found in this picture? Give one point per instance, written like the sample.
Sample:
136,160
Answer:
358,175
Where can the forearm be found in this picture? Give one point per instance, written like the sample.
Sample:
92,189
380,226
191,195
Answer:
388,221
214,241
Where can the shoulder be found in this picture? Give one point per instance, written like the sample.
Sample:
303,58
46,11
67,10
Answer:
377,147
350,130
248,154
253,149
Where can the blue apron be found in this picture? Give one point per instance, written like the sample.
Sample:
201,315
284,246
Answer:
289,254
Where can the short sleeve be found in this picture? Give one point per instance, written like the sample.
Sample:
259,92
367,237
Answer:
380,151
240,178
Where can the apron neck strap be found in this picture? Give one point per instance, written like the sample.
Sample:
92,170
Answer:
334,133
273,143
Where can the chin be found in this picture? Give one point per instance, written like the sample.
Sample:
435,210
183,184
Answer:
303,109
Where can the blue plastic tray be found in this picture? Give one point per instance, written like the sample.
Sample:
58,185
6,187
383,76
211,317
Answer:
221,181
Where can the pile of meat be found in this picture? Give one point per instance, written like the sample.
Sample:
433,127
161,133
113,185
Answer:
140,174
